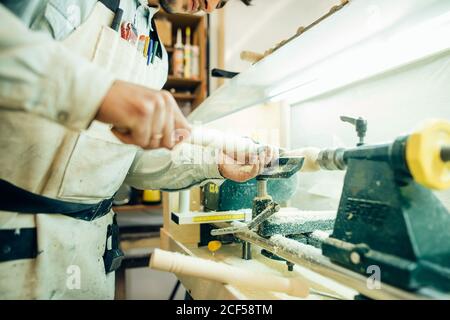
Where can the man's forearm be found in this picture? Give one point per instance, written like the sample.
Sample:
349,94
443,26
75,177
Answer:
182,168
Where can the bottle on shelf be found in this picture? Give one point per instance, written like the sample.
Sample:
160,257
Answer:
187,54
195,63
177,59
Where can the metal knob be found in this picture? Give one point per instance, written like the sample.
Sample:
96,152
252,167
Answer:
361,127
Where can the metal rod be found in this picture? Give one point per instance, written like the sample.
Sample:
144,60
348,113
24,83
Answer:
229,230
246,251
313,259
262,188
174,291
263,216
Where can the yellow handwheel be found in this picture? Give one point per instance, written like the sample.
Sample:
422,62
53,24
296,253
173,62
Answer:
423,155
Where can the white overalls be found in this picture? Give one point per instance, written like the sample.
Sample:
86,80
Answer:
48,152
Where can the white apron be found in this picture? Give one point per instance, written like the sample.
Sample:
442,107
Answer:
46,158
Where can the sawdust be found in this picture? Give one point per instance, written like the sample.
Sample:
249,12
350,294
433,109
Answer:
293,247
320,235
292,221
296,248
291,215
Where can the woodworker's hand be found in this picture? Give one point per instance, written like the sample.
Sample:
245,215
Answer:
144,117
241,168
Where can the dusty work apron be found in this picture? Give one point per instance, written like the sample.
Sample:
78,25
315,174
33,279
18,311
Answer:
65,167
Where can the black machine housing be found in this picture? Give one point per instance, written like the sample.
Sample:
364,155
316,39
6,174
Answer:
387,220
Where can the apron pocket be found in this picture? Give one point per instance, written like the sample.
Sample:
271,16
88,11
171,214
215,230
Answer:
127,63
96,169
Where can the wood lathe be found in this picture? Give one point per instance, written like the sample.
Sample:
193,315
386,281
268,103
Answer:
383,220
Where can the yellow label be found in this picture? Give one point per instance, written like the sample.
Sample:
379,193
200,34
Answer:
239,216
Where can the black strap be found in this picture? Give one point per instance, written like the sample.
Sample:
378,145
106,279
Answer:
18,244
113,257
22,243
15,199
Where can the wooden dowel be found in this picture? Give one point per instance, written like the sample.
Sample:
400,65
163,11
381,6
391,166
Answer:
220,272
